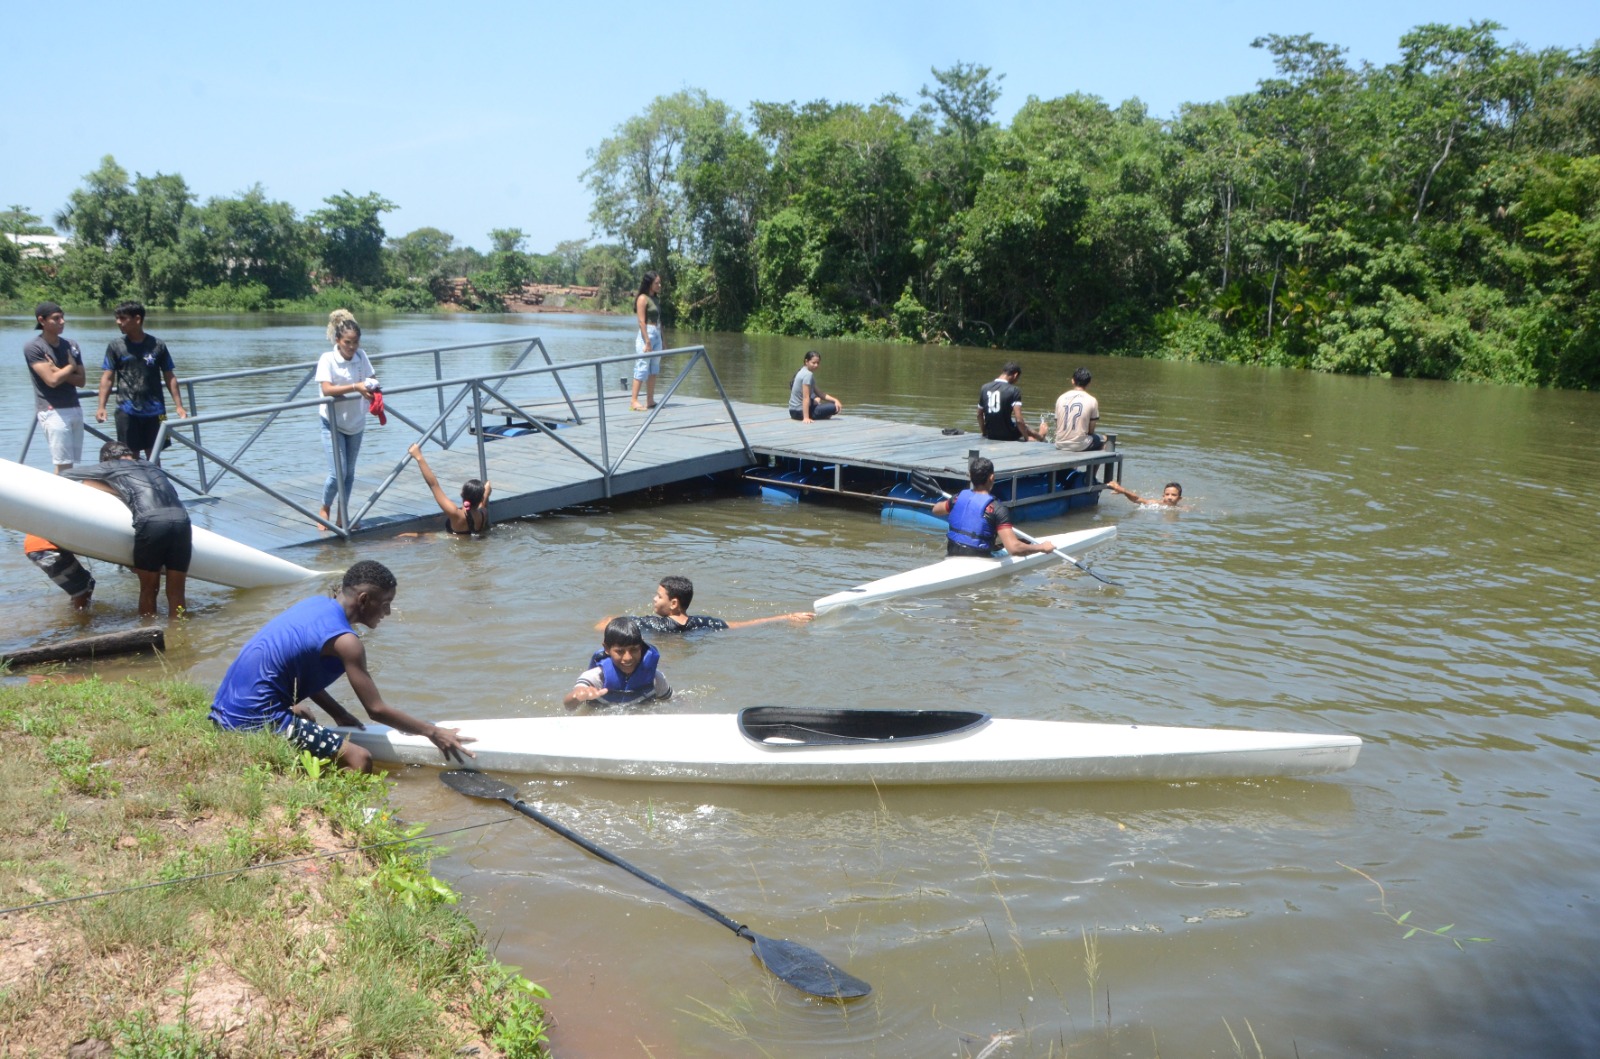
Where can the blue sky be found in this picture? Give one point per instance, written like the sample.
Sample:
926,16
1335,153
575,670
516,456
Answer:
480,116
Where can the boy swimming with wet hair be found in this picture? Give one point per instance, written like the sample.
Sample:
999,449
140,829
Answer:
671,606
624,670
1171,495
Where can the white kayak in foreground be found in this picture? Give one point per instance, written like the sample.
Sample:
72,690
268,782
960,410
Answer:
962,570
716,748
98,525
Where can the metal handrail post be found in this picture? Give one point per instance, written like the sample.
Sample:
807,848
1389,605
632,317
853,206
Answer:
264,487
749,452
27,439
605,433
191,406
651,418
438,376
477,423
538,424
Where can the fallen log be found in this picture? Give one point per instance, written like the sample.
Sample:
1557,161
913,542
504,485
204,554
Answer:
108,643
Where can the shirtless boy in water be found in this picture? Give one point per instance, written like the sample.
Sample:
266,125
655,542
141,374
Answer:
1171,494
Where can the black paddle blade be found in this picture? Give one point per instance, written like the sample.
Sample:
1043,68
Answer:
475,784
927,484
805,969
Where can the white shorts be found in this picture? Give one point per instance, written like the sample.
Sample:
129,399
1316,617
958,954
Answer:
63,429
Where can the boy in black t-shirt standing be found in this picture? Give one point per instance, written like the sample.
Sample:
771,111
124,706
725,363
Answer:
138,364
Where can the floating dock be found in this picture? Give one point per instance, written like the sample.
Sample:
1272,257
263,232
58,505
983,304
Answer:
550,435
850,456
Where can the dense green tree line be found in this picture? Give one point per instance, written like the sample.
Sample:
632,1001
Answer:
148,238
1435,217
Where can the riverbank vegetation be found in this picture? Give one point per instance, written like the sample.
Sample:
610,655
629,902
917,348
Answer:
332,952
148,238
1434,217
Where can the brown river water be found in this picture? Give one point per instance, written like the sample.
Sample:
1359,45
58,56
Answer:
1411,562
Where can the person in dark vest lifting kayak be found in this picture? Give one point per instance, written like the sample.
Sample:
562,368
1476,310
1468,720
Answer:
624,670
979,523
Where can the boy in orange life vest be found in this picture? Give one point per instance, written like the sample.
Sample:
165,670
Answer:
62,567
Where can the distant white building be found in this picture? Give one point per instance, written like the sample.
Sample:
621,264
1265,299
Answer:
41,247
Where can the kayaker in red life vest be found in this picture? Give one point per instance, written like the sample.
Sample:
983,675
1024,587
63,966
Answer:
671,606
978,522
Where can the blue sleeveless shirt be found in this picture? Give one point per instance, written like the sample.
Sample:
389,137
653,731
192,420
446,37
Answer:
281,665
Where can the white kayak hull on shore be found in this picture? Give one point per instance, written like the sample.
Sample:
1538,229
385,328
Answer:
97,525
957,571
711,748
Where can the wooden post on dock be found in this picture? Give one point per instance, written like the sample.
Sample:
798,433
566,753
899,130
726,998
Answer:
110,643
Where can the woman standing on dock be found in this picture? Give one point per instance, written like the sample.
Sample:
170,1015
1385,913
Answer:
346,373
648,340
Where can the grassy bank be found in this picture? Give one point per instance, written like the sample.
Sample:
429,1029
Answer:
109,786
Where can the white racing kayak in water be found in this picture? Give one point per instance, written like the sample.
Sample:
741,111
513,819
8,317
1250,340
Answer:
779,745
98,525
962,570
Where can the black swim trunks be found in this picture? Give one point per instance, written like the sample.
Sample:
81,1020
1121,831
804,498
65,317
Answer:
161,543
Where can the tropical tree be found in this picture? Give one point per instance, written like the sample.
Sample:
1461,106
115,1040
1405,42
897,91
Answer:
349,236
246,240
125,236
420,254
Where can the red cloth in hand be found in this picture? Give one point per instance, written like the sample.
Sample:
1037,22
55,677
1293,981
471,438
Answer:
377,409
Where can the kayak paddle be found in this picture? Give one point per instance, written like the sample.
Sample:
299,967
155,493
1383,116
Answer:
801,967
928,485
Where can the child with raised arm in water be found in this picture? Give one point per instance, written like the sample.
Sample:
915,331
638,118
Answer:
1171,495
624,670
471,516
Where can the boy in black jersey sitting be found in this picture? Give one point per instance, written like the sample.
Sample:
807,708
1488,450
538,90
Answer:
671,605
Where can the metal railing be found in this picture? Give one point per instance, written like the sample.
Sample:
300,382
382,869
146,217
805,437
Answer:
474,395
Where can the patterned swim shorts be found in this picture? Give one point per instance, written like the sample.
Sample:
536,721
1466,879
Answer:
309,735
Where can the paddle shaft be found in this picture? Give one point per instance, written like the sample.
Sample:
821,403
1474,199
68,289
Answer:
606,855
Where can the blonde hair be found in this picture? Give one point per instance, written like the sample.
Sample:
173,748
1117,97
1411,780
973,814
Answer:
340,321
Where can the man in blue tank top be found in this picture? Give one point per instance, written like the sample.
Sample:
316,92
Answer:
978,522
298,654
